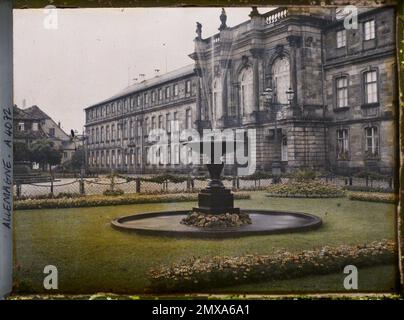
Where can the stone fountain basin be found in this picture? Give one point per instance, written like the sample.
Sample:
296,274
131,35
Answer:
264,222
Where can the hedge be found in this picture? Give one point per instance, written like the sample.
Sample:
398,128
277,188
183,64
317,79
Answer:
97,201
197,274
368,189
374,197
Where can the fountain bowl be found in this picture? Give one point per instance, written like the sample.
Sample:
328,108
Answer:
264,222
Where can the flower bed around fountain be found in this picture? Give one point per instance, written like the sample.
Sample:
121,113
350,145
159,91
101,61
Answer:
225,220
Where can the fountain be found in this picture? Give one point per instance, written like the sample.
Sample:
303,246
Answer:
216,216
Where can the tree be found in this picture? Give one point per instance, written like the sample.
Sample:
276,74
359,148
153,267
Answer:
44,152
77,160
21,152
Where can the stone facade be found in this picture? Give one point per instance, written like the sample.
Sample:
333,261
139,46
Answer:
118,128
318,95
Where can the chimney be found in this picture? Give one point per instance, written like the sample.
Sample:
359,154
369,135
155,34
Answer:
156,72
24,103
59,124
142,77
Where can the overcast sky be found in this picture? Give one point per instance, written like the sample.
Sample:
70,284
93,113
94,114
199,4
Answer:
93,53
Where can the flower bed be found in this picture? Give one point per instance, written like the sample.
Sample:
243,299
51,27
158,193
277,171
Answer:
202,220
374,197
305,189
96,201
222,271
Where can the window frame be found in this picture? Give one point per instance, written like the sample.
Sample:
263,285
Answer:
365,84
339,89
371,30
344,154
343,38
375,142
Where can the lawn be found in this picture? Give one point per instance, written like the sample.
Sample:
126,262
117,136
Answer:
93,257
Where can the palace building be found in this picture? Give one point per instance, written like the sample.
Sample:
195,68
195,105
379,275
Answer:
319,95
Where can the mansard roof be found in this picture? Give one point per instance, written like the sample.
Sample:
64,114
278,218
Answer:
148,83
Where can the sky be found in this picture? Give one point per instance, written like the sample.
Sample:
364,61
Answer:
68,59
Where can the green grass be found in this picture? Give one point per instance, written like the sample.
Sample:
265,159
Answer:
373,279
93,257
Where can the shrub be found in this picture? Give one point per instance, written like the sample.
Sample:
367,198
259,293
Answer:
306,189
96,201
257,176
60,195
368,189
113,193
163,178
374,197
371,175
304,175
221,271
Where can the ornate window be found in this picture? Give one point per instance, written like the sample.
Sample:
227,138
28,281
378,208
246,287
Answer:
371,142
342,144
246,93
281,79
217,99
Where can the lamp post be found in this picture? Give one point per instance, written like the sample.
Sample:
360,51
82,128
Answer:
290,94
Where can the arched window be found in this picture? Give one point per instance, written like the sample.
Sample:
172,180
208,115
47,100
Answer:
281,79
246,91
217,99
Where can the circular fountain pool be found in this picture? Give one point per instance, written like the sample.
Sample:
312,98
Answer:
167,223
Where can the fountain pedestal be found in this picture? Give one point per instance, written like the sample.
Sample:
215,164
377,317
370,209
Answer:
215,198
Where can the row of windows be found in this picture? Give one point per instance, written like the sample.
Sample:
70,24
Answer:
133,128
371,137
133,157
107,158
368,33
22,126
370,89
130,103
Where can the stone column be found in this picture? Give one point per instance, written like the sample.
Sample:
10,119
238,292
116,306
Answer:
225,65
198,73
257,54
294,43
6,146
